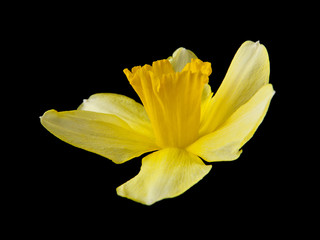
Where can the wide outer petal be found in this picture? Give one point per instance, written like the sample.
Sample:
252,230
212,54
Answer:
127,109
224,144
164,174
248,72
104,134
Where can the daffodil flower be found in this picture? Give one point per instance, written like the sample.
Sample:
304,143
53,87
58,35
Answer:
180,121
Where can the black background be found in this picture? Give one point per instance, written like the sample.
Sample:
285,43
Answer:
80,52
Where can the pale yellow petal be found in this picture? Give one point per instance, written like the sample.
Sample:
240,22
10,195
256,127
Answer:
127,109
206,99
104,134
248,72
224,143
180,58
164,174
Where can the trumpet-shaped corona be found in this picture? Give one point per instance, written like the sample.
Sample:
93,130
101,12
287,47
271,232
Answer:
172,99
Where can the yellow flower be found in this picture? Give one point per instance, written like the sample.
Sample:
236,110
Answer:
179,122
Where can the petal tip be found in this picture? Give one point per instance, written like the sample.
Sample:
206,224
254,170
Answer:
121,192
254,45
46,114
180,58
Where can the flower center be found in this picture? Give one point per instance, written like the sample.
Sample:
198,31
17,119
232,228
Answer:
171,99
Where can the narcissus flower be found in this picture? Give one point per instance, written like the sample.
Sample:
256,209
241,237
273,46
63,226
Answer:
180,120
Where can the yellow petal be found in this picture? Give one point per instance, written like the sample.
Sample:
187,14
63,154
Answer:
172,99
248,72
164,174
224,143
125,108
180,58
206,100
104,134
